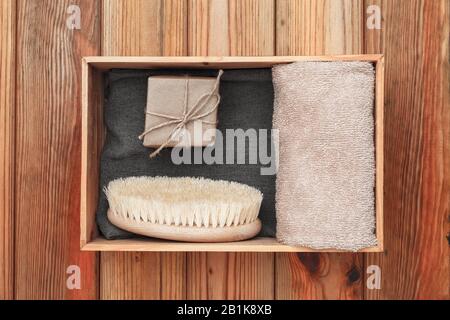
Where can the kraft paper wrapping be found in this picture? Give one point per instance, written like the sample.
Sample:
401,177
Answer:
167,95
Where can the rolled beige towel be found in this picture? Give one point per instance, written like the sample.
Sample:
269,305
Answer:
325,183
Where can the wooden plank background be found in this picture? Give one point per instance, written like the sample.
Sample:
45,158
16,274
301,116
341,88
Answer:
7,153
40,145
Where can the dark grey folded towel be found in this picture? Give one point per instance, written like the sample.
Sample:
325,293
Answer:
246,102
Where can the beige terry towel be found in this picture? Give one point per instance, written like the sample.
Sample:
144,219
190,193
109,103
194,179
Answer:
326,176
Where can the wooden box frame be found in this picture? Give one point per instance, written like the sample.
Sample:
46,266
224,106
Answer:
93,133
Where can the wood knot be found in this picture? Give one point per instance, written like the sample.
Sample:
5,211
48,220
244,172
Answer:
311,261
353,275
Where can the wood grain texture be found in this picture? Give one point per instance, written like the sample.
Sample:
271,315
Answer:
252,27
308,28
137,276
141,27
92,137
173,275
48,148
208,34
223,28
218,275
319,276
7,133
46,118
415,264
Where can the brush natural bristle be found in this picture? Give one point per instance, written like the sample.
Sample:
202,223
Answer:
184,201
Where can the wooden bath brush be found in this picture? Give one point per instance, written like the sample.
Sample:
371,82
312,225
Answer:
185,209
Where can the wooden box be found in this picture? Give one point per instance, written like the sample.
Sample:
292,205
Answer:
93,133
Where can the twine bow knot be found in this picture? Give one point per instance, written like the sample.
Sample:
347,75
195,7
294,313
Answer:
187,116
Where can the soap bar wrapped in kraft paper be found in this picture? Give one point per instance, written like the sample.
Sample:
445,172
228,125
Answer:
181,111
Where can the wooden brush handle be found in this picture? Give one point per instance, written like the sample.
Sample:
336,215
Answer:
187,234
